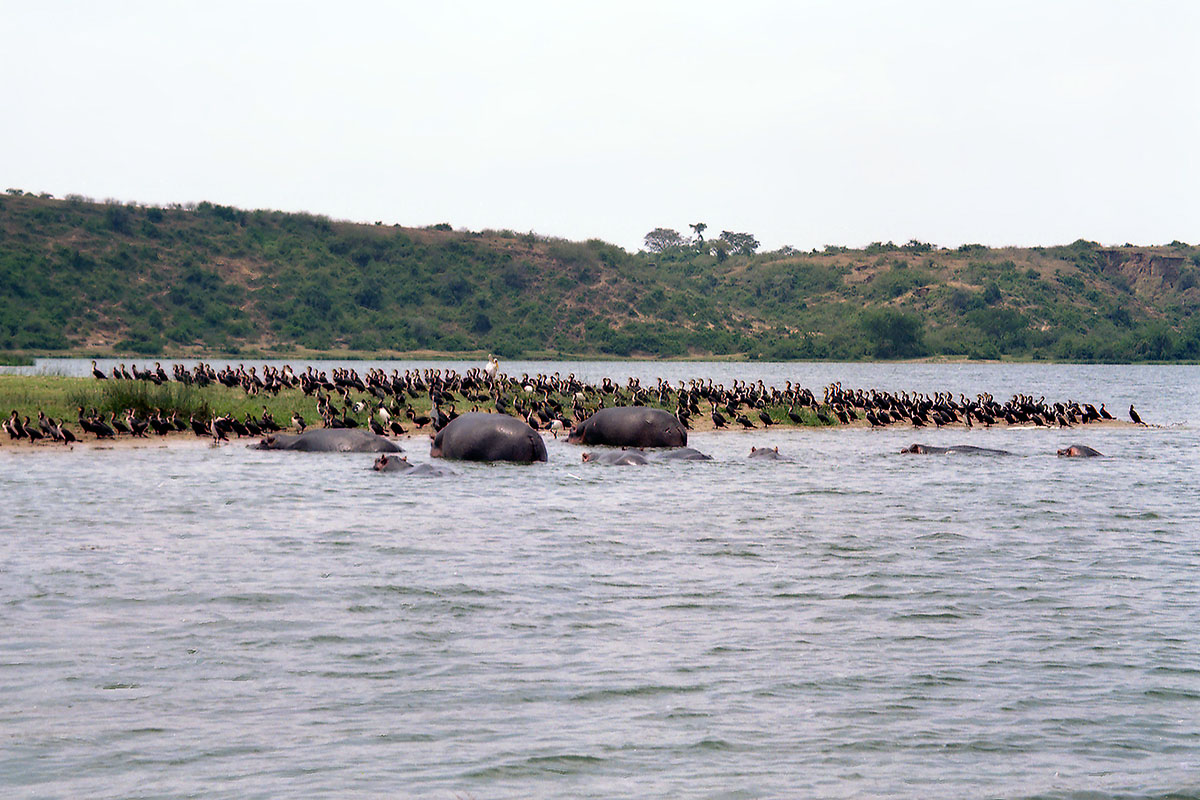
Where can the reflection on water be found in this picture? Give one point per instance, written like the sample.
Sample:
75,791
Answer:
227,622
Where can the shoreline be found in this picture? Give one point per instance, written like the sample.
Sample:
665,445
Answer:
187,439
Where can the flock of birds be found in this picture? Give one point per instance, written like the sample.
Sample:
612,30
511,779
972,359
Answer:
383,402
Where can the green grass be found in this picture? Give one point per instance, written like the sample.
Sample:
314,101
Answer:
60,397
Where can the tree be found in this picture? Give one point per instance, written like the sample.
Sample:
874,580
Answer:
894,334
699,228
661,239
741,244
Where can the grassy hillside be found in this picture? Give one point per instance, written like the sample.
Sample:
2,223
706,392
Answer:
90,277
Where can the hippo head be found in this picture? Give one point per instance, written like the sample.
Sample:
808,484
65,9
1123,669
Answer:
916,448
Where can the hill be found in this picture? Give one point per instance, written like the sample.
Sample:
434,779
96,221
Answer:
85,277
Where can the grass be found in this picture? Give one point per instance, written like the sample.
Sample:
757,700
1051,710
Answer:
60,396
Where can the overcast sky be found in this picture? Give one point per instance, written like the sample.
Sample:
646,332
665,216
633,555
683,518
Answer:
804,123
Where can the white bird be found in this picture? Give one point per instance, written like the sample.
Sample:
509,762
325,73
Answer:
493,366
556,426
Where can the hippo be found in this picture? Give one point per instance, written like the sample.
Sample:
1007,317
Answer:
392,464
680,454
767,454
479,436
401,464
618,458
1079,451
329,440
925,449
630,426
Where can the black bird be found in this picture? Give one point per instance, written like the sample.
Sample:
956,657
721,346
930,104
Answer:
199,425
1133,415
744,421
64,433
718,420
97,373
117,425
766,419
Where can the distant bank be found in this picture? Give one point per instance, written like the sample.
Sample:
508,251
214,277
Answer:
84,278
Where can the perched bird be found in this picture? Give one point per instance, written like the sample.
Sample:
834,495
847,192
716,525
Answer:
1133,415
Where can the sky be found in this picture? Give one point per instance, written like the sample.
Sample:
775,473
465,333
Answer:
804,123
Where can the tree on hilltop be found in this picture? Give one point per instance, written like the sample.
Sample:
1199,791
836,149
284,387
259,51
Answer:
661,239
742,244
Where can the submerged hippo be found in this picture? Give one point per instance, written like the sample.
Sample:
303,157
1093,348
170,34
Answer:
1079,451
478,436
617,458
767,454
928,449
680,454
329,440
386,463
630,426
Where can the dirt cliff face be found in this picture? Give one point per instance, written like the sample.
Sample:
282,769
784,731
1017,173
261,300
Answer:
1145,270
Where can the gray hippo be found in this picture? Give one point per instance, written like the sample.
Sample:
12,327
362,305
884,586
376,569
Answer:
680,454
329,440
630,426
617,458
386,463
767,454
927,449
1079,451
478,436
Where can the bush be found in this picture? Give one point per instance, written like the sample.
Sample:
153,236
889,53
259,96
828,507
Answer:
893,334
143,397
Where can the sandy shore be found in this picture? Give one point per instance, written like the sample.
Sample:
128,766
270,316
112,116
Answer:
189,439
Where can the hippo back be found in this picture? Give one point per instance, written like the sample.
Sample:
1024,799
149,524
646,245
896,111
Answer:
630,426
479,436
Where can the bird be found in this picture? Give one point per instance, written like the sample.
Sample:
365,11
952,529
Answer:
492,367
1133,415
97,373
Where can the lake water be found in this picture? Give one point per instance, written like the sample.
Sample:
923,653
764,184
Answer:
222,622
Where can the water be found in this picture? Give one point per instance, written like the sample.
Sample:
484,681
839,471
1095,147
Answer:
199,622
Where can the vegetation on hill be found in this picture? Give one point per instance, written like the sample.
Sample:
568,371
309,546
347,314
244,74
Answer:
79,276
